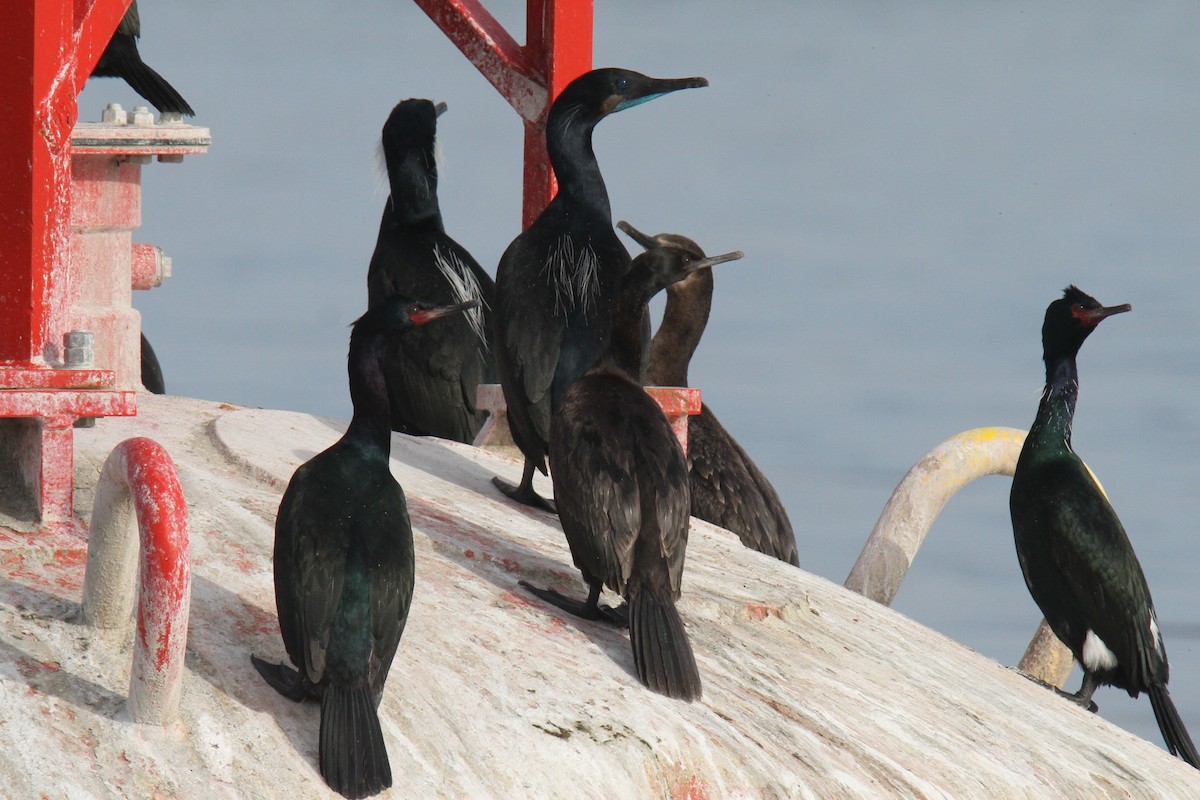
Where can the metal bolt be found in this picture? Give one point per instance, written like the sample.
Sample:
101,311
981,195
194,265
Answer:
80,349
170,118
142,116
113,114
170,158
164,266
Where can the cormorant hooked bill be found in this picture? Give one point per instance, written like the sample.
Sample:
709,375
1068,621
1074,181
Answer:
431,373
121,59
344,567
728,489
556,282
1076,558
620,482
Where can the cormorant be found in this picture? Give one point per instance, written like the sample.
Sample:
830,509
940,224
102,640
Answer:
433,372
620,482
121,59
1077,561
152,376
344,567
556,282
727,487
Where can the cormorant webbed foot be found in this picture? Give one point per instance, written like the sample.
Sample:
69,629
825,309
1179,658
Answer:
524,494
584,609
1086,703
285,680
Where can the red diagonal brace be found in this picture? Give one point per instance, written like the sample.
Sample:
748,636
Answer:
558,49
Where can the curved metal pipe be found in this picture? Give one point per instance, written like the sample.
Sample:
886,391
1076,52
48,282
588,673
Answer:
139,484
916,503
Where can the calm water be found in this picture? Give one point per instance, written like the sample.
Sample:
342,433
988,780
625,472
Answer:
912,184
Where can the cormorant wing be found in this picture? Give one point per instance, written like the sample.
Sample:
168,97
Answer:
729,490
309,567
534,346
391,593
1101,572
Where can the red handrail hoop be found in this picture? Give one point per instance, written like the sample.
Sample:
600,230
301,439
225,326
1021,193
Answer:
139,480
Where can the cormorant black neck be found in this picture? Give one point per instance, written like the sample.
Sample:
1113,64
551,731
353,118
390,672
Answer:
370,424
1056,411
623,355
569,144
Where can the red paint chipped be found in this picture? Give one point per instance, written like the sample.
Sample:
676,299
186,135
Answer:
757,611
469,553
691,789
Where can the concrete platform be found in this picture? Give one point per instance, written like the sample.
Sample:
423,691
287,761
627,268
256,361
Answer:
810,691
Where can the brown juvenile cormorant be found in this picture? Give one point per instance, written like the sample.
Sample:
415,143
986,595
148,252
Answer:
121,59
433,372
1077,561
344,567
727,487
556,282
620,483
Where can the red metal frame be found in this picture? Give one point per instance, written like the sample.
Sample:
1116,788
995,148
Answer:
558,49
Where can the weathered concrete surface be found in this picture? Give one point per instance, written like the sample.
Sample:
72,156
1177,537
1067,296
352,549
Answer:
809,690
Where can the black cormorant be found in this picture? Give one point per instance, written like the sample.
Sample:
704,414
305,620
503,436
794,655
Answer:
433,372
1077,561
728,489
344,567
620,483
556,282
121,59
152,375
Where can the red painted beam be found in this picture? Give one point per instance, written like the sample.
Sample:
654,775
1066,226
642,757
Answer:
41,44
558,49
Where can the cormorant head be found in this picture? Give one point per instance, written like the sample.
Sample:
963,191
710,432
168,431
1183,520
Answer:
677,241
412,125
596,94
665,264
399,313
1070,319
660,240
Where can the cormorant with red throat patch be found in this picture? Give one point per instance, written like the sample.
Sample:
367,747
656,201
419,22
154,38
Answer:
1076,558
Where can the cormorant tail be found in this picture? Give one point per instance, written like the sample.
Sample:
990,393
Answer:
353,759
154,87
1173,730
661,650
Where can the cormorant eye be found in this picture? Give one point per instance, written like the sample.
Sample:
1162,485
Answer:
622,84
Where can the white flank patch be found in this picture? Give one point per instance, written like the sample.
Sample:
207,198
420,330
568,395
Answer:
1096,655
1155,636
574,276
465,286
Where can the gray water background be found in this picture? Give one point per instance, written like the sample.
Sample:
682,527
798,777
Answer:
912,183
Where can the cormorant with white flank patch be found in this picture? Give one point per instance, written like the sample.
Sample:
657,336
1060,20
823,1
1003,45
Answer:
556,282
620,482
728,489
1076,558
432,373
121,59
344,567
